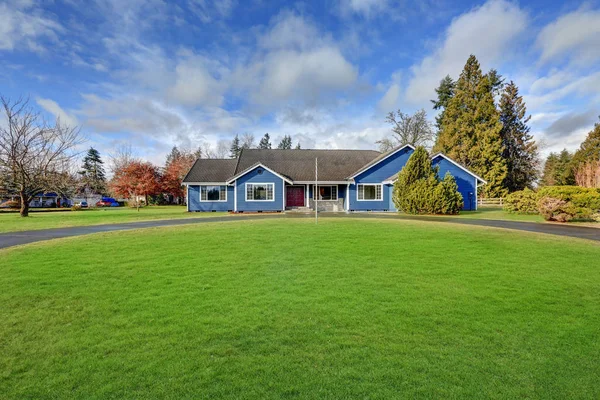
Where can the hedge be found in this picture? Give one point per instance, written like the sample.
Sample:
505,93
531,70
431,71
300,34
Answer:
556,203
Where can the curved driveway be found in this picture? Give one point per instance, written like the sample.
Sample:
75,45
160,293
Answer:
19,238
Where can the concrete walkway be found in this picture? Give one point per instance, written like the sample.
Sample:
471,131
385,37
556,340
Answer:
19,238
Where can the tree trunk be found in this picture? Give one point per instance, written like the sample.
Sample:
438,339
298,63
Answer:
24,204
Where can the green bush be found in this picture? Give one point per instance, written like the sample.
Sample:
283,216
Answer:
418,190
448,199
579,196
522,202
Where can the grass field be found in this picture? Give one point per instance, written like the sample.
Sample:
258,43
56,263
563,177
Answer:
13,222
286,309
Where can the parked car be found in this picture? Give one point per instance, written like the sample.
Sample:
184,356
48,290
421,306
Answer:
107,202
82,204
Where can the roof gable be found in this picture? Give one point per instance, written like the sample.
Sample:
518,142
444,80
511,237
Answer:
252,168
380,158
442,155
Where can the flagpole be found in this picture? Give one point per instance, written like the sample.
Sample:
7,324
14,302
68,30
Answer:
315,195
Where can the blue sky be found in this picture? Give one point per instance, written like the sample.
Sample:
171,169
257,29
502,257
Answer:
159,73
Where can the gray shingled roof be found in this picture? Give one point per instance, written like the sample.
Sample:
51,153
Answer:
297,165
211,170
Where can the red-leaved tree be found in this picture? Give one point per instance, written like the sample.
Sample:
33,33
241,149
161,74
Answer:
174,172
135,179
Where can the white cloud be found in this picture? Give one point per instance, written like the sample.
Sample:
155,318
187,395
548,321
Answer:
486,31
389,101
195,85
53,108
294,62
209,10
24,27
308,75
576,34
581,86
367,8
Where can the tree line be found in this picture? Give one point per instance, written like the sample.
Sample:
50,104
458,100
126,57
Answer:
482,123
581,167
248,141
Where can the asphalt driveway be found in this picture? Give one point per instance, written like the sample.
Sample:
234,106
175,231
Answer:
19,238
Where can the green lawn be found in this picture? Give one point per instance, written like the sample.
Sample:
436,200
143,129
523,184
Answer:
289,309
13,222
493,213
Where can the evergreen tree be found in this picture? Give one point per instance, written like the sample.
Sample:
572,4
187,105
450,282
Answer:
548,176
520,150
590,148
564,172
265,142
286,143
558,169
298,146
418,190
444,92
175,154
470,129
198,153
496,80
234,150
93,177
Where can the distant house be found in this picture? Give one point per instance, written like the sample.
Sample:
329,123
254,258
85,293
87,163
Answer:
278,180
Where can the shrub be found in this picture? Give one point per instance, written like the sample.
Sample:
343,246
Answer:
553,209
522,202
418,190
448,199
11,204
589,196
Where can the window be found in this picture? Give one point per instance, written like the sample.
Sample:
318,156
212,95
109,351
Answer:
213,193
259,191
369,192
326,192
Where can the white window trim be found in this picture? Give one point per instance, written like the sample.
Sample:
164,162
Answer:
212,201
337,193
370,184
258,183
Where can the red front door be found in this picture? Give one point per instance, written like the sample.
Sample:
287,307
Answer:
294,196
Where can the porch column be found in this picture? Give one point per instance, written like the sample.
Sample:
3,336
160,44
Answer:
307,198
235,196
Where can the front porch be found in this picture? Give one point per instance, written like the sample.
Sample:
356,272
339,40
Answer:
330,197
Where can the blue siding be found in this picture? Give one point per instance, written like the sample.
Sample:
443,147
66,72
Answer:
377,174
254,177
197,205
465,181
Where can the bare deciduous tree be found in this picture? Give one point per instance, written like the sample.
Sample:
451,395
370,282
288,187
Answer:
120,158
414,129
248,141
221,151
34,156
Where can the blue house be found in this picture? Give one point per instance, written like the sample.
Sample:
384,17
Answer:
276,180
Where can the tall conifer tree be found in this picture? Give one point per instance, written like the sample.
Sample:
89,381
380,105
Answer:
444,92
93,177
470,129
234,150
265,142
520,150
